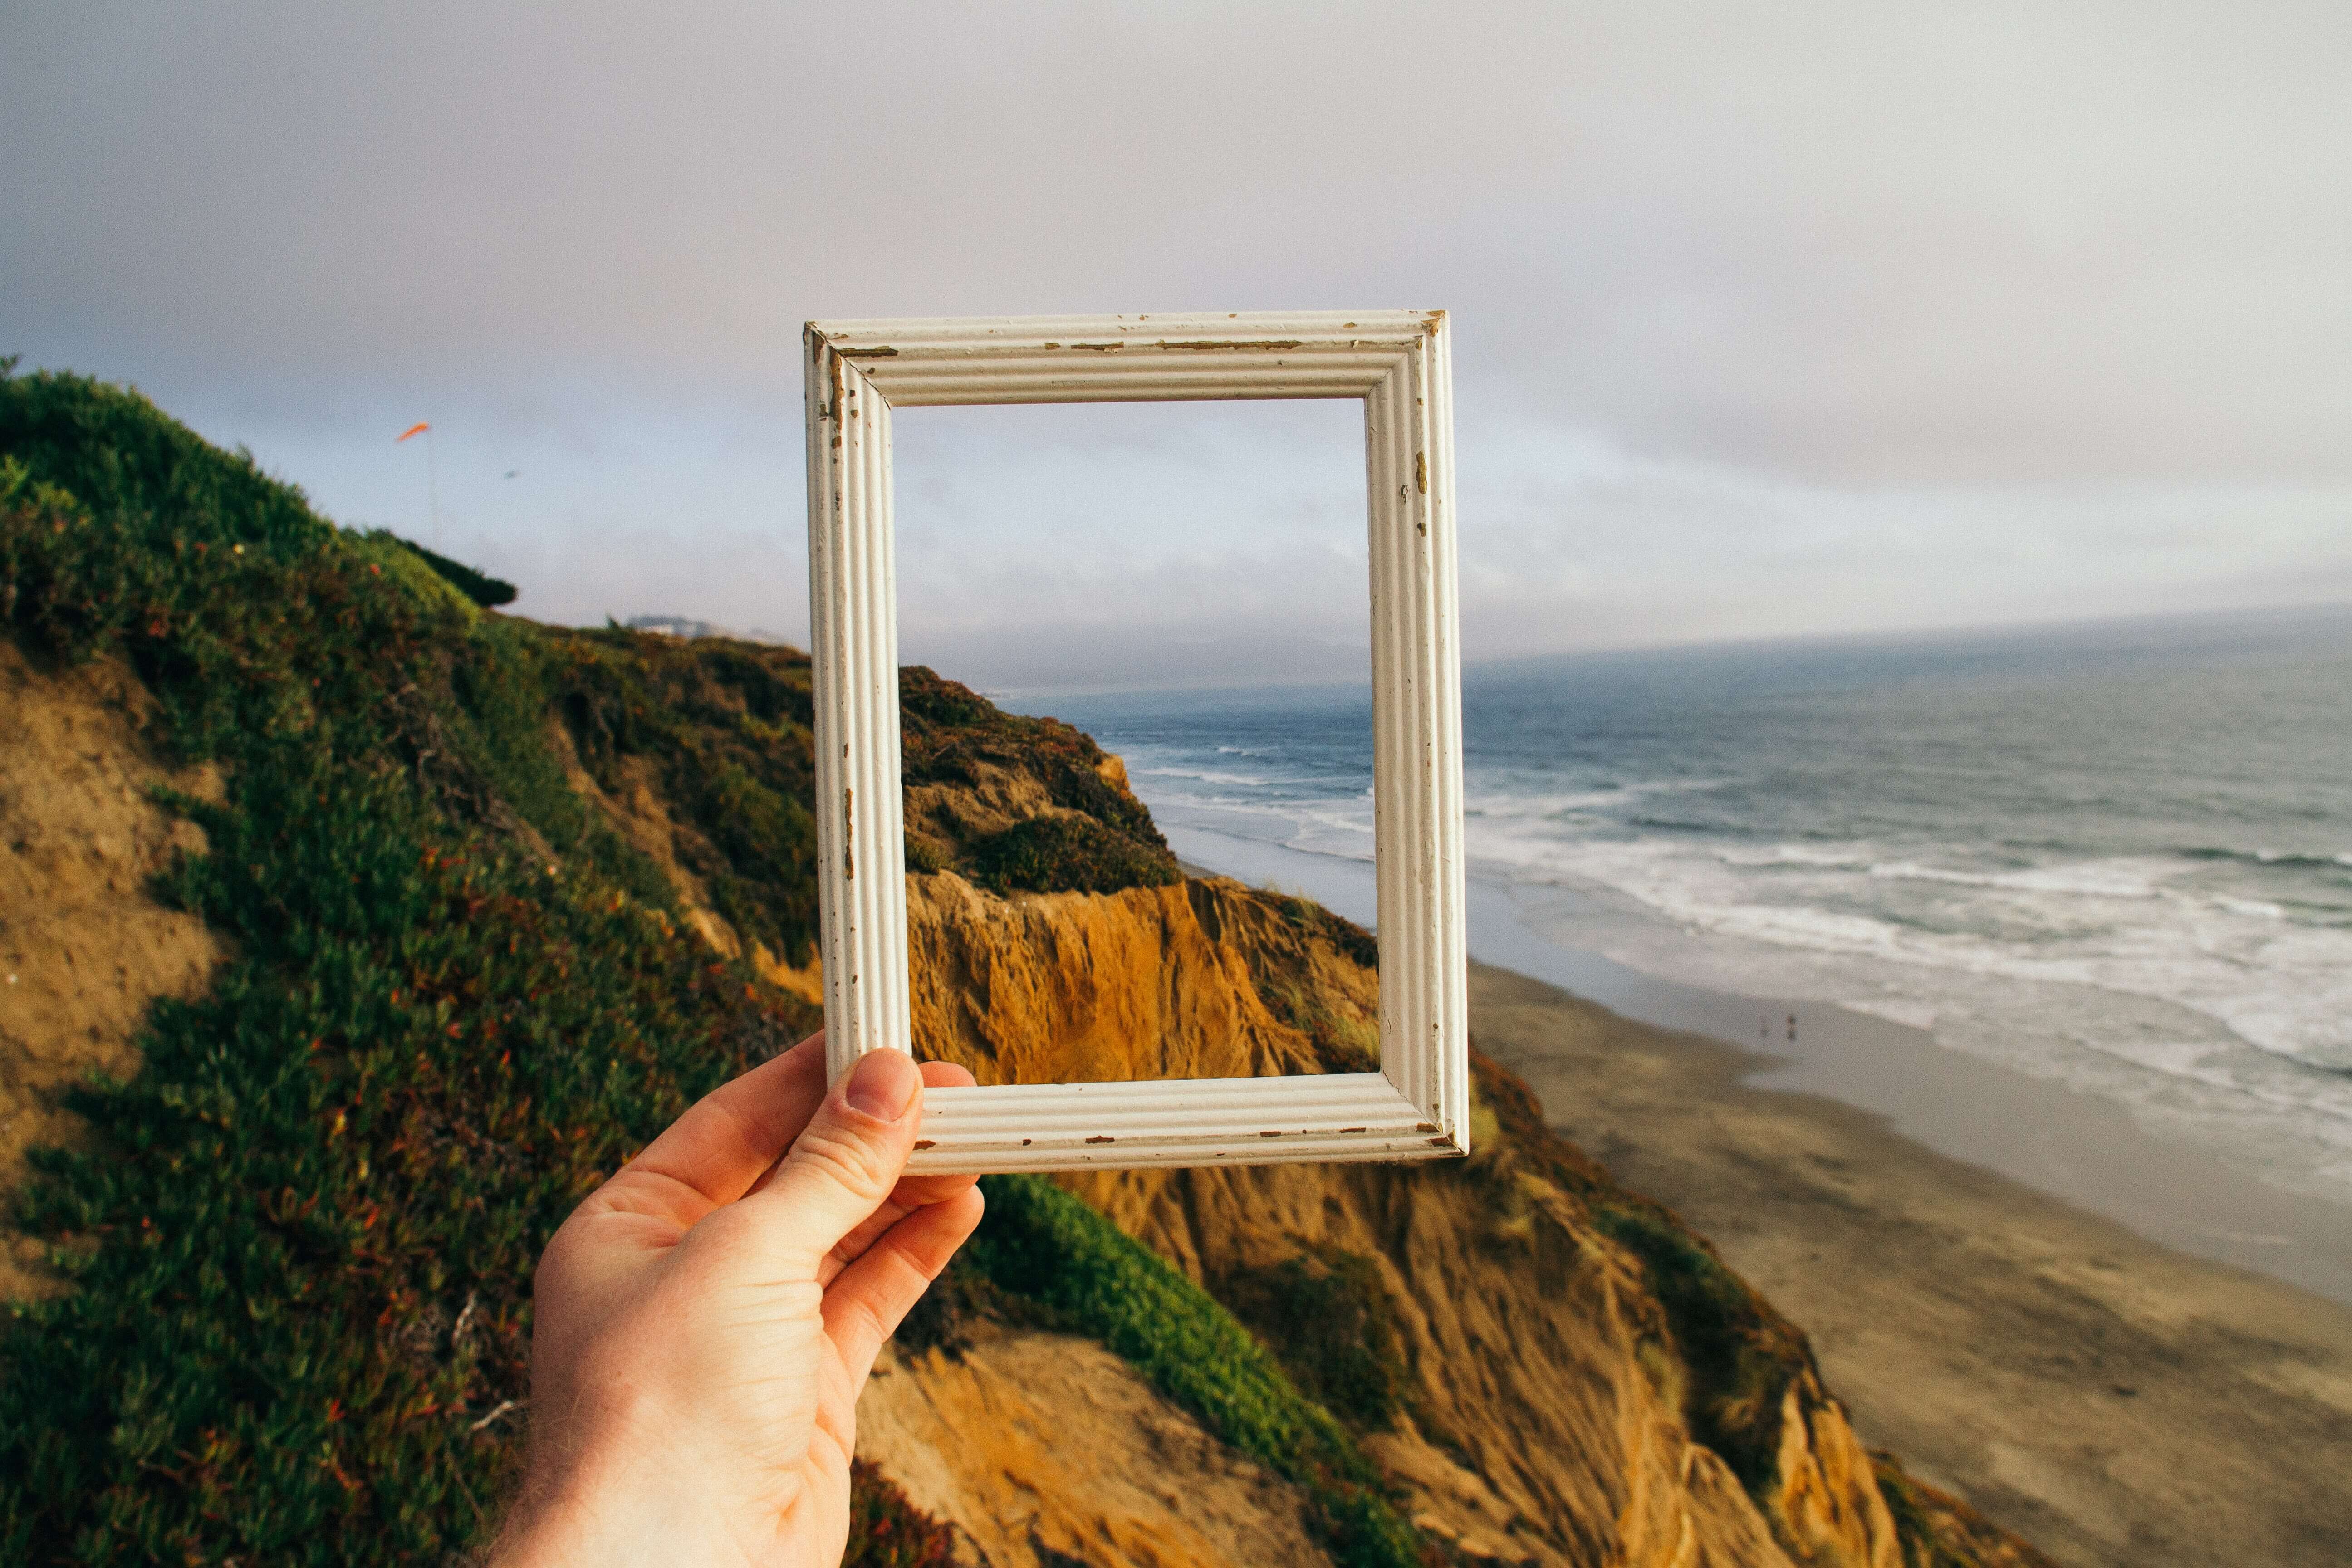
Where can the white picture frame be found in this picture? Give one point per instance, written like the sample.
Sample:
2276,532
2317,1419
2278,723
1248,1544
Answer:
1397,363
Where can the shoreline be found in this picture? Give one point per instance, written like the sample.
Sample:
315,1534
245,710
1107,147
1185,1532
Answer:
1983,1262
2111,1399
2080,1150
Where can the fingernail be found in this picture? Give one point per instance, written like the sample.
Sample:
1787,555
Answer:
883,1084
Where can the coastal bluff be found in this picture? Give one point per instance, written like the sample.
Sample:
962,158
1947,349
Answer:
1566,1374
465,908
1546,1393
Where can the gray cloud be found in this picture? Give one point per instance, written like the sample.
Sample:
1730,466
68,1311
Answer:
1769,319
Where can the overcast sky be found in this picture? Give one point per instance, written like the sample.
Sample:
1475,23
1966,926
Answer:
1772,319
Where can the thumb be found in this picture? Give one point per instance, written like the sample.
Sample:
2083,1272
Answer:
843,1164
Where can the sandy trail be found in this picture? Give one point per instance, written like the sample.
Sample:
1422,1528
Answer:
85,947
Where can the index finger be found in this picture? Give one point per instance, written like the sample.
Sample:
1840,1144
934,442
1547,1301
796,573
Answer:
724,1143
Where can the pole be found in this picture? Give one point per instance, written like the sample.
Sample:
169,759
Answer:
432,488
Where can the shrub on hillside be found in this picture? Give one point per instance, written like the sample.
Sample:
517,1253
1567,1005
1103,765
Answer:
1307,915
723,730
885,1531
485,590
951,734
1326,1318
1068,854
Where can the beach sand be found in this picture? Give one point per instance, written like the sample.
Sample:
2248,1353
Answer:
2112,1400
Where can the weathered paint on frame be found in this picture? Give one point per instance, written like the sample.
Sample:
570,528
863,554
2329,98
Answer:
1398,364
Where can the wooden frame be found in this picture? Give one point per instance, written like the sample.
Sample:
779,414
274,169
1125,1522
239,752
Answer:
1398,363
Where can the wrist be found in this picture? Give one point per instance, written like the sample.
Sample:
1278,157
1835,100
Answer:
601,1516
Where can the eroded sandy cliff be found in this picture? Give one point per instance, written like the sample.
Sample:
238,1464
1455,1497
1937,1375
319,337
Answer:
1544,1388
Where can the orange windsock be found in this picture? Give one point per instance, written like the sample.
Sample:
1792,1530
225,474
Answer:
412,430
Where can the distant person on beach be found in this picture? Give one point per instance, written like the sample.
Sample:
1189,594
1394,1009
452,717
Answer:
705,1321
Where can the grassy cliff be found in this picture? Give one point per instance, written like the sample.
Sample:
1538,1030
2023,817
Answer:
302,1243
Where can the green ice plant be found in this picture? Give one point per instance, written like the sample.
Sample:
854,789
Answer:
300,1249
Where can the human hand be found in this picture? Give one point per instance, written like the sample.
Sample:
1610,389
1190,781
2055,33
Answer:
705,1319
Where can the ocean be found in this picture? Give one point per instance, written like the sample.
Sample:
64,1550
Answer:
2117,857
